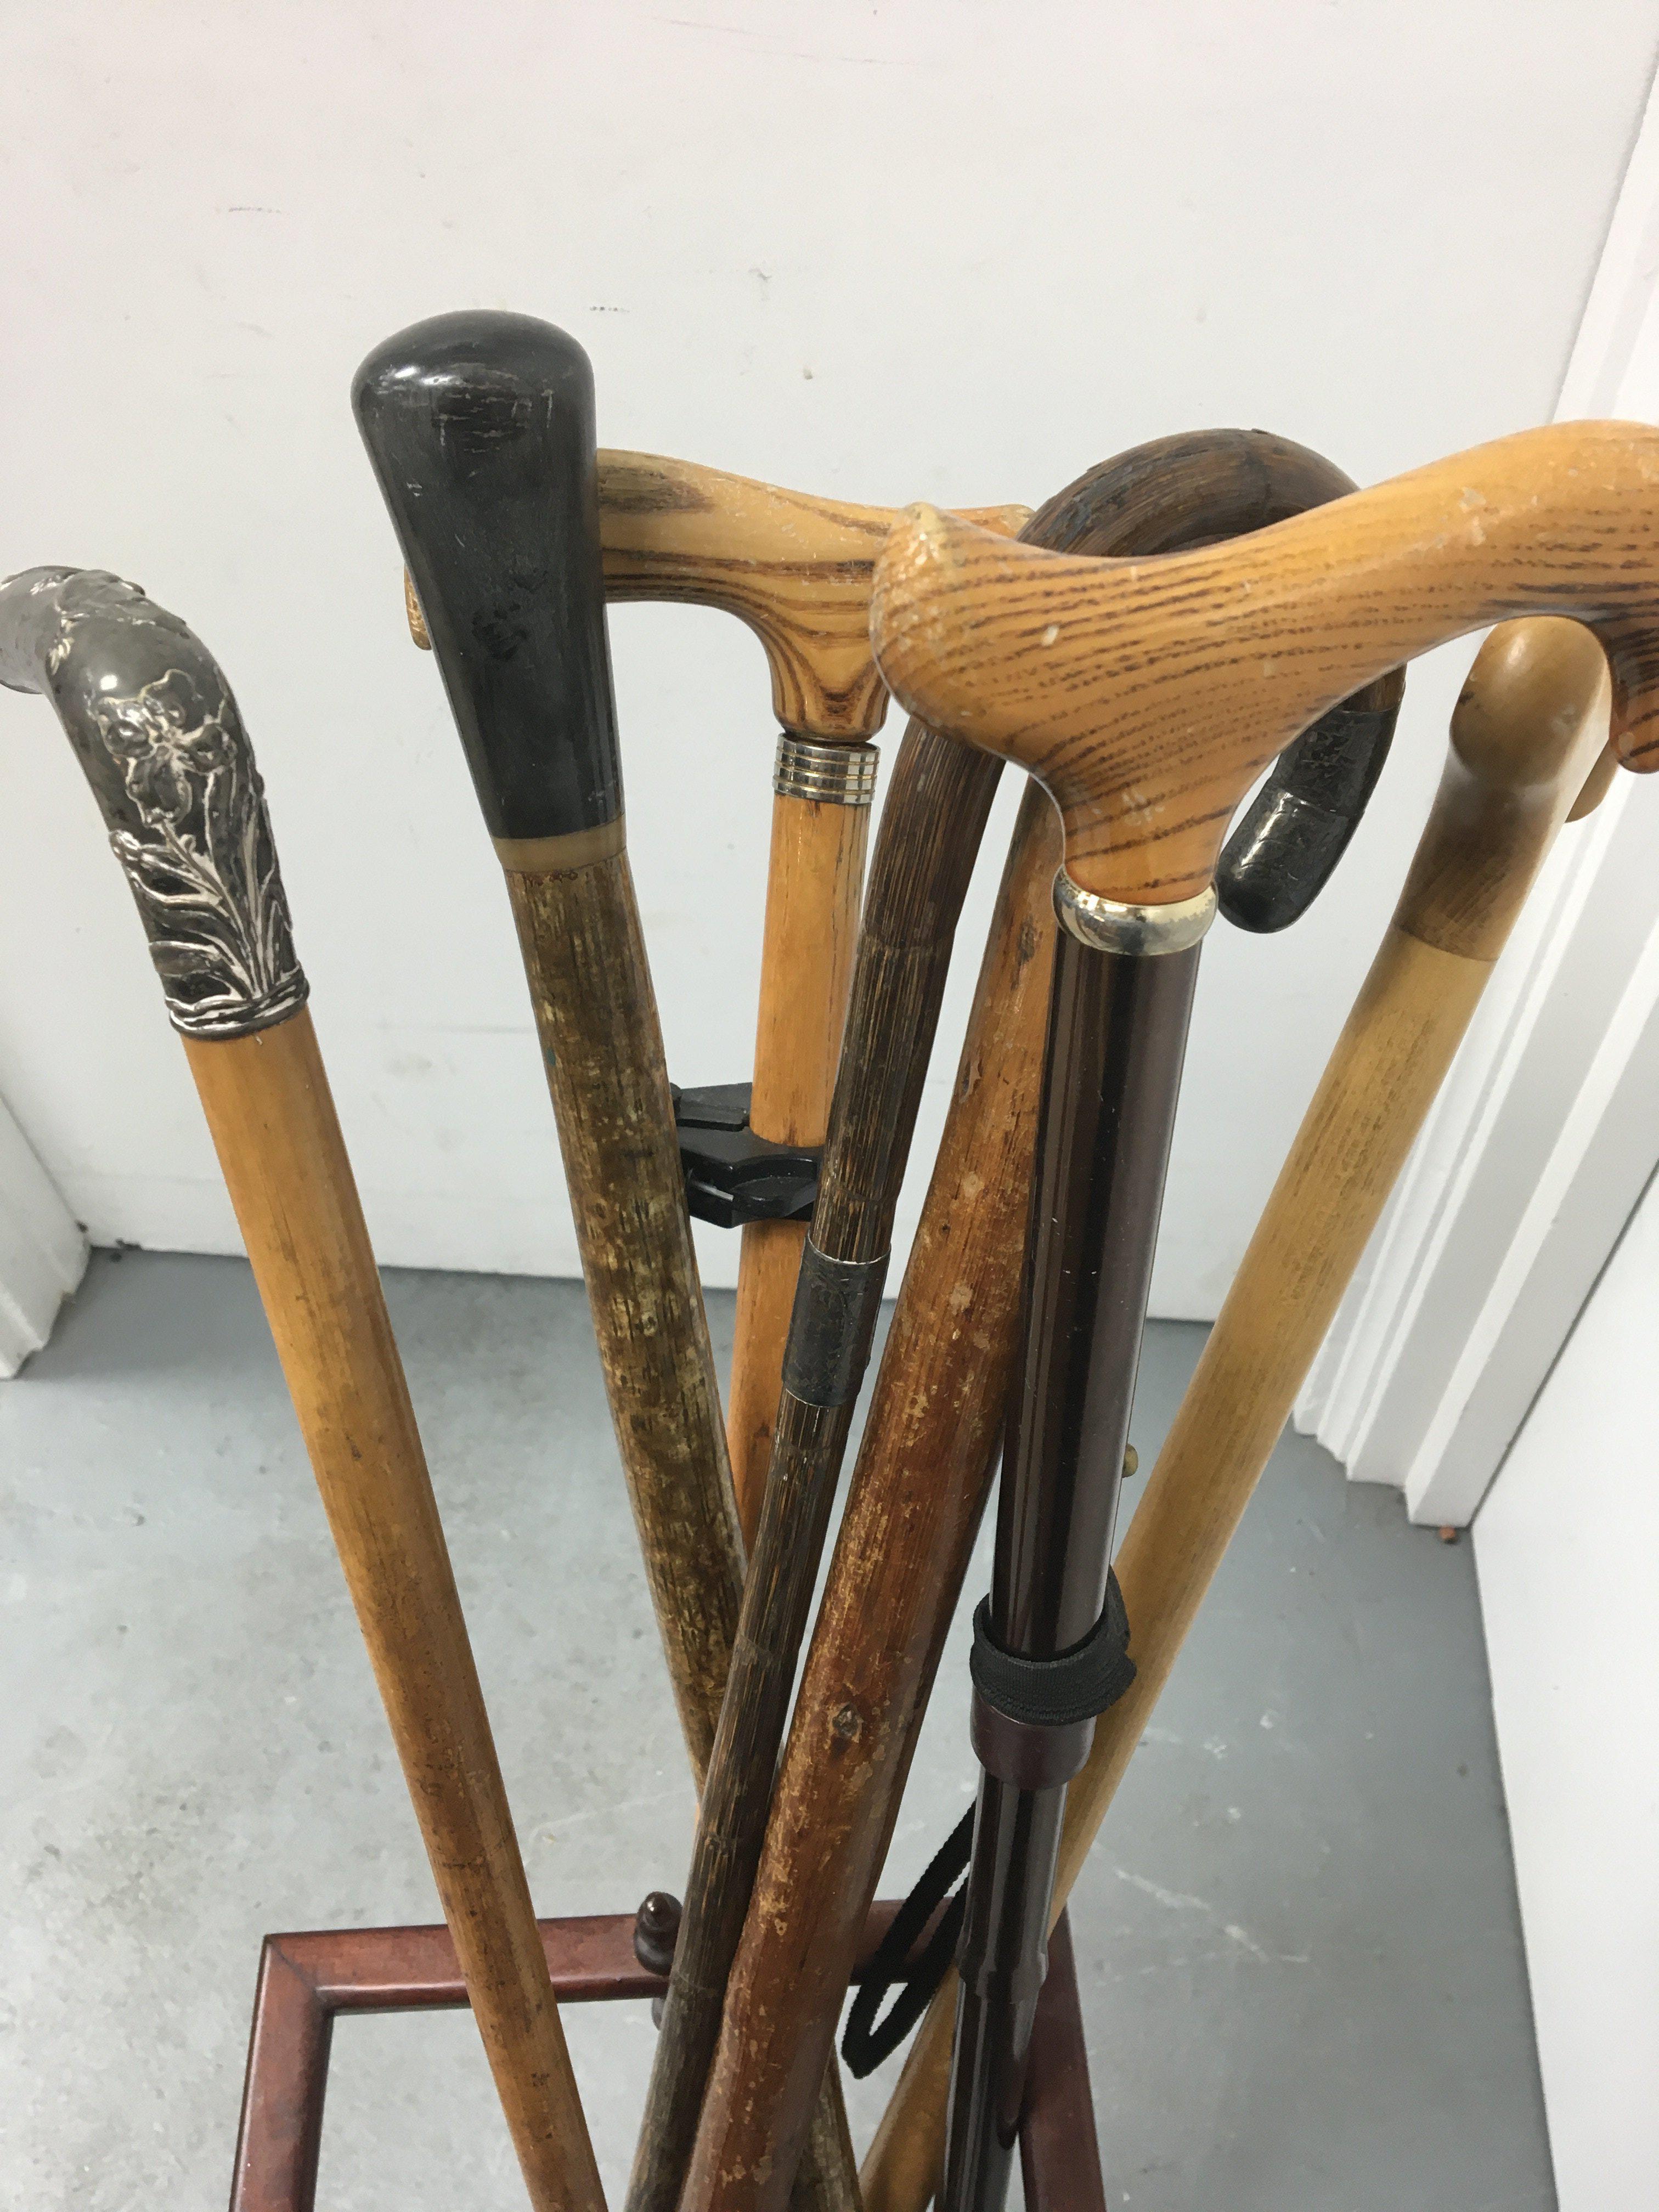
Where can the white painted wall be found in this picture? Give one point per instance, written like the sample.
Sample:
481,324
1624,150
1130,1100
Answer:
957,252
1567,1545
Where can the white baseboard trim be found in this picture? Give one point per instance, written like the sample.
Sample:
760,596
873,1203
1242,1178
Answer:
43,1252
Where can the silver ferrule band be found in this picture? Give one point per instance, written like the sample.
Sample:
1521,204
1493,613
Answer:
838,775
1112,926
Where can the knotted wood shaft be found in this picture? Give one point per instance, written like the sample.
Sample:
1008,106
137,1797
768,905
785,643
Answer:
1525,735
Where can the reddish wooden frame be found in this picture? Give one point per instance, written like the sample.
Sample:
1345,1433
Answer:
307,1981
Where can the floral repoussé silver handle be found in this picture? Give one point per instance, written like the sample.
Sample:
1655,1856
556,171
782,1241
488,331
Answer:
157,732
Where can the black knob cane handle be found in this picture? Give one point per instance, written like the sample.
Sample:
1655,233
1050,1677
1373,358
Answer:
159,736
480,428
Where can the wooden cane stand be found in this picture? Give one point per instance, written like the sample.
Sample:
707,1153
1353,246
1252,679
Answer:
307,1981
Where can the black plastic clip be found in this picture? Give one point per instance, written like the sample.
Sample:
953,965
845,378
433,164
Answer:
732,1176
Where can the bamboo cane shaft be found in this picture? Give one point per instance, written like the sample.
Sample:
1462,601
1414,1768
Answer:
1525,736
814,881
268,1106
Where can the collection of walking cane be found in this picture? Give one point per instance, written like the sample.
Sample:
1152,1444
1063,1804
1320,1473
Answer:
1144,645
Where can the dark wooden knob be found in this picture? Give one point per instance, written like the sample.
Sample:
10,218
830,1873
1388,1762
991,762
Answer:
480,428
656,1930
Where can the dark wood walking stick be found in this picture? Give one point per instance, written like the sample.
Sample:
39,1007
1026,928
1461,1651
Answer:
930,831
156,730
480,427
1527,729
796,569
1047,665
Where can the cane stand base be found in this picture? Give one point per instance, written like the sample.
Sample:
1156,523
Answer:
305,1981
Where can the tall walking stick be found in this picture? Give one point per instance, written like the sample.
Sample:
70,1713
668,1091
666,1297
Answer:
796,569
1524,735
157,733
930,833
929,1444
1047,665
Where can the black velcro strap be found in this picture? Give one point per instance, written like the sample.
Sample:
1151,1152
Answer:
867,2041
1077,1685
833,1320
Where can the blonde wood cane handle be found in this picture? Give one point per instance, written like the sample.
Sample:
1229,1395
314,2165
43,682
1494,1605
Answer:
1526,733
795,567
1146,697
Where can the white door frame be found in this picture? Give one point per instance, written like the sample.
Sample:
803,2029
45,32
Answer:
1547,1130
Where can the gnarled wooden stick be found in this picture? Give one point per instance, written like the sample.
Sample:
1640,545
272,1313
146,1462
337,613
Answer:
1146,698
1524,739
157,732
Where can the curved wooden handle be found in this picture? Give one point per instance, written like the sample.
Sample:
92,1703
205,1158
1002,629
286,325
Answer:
796,568
1147,696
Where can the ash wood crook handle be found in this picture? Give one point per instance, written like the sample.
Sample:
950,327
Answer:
1146,698
1524,736
157,732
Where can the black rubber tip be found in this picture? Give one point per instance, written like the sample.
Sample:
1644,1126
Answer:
480,428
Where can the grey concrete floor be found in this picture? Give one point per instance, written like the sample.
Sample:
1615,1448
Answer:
1298,1940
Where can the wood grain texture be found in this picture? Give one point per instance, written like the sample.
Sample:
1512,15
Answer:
815,881
596,1015
1525,735
268,1105
1147,696
795,567
877,1641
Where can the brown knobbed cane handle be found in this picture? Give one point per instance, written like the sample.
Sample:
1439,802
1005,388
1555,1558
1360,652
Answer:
157,731
1524,737
918,1490
1147,697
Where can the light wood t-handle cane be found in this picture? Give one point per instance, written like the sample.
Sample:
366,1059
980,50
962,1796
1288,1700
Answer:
158,735
1524,740
796,569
